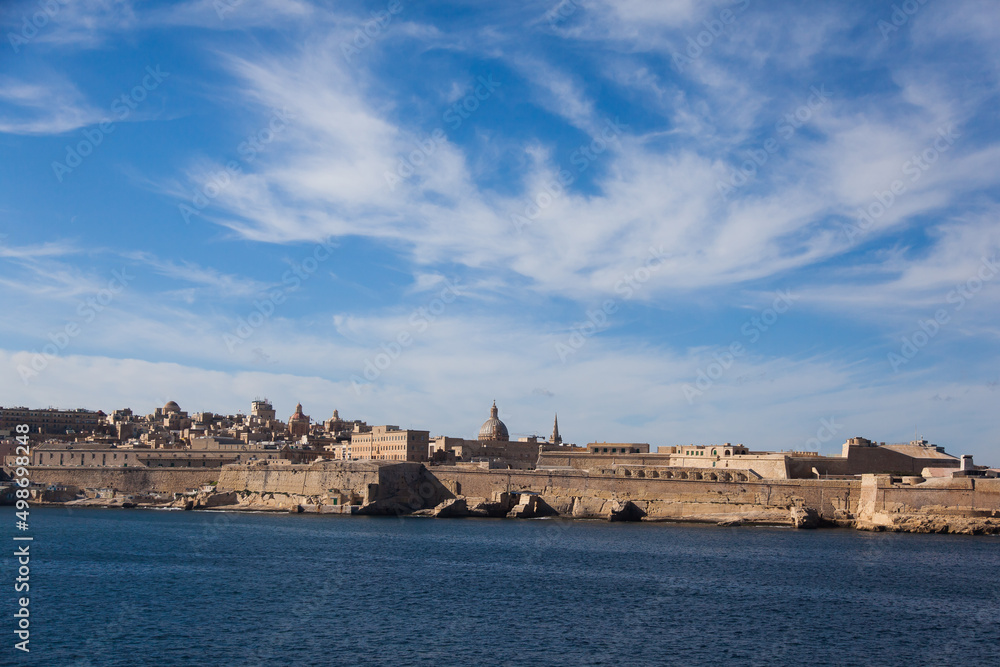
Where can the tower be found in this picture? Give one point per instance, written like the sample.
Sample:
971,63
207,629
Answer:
556,439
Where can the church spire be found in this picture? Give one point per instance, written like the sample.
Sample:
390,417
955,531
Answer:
556,439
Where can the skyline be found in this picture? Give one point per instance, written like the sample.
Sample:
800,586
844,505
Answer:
692,222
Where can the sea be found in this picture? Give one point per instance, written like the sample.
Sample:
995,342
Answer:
148,587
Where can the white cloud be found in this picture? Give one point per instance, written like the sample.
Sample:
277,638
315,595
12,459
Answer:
53,106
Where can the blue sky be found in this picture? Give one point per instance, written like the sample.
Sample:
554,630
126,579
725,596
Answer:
669,222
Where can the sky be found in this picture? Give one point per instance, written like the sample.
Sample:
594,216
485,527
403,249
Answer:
669,222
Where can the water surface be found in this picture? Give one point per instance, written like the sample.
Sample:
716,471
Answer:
141,587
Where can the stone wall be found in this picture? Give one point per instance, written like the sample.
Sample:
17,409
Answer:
876,501
580,494
126,480
767,466
865,460
406,484
958,495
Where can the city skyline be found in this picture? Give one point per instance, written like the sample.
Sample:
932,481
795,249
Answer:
695,222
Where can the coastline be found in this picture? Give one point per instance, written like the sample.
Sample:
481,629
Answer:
928,523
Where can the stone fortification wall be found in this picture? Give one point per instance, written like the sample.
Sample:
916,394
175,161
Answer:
767,466
865,460
403,484
958,494
126,480
877,502
581,494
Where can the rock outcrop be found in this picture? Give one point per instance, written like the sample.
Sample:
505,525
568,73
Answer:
625,511
804,517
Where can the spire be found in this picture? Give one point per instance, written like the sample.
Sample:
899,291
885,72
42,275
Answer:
556,438
493,410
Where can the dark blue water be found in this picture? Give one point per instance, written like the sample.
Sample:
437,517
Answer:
135,587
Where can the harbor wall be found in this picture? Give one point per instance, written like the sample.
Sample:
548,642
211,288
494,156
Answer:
125,480
580,494
874,501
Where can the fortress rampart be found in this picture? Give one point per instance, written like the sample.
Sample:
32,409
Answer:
878,502
582,494
125,480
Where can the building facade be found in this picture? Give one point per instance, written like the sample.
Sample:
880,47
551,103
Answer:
390,443
51,421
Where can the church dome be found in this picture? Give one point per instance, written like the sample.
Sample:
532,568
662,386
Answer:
171,406
493,428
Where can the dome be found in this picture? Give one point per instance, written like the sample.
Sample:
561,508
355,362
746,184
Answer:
171,406
493,428
298,416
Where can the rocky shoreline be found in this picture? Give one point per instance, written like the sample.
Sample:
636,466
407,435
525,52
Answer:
532,506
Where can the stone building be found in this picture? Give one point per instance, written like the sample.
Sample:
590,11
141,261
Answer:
87,455
389,443
617,448
51,421
262,409
493,429
298,424
492,447
860,456
174,419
